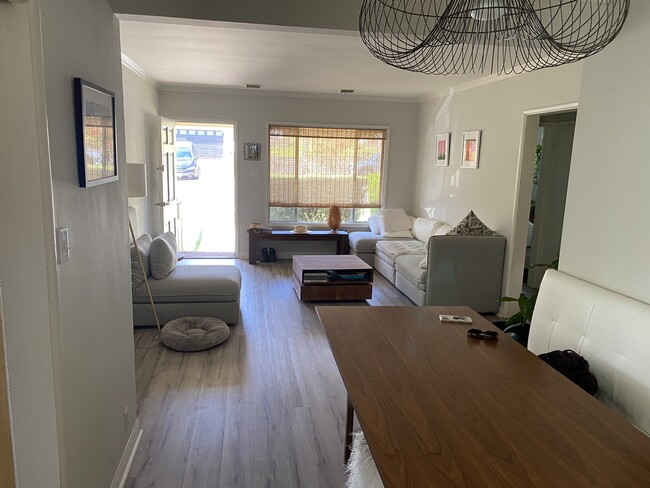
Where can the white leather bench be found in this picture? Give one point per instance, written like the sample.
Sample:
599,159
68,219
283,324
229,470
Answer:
610,330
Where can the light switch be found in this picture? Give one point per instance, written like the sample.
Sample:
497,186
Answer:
62,245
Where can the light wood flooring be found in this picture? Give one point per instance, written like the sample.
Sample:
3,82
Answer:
264,409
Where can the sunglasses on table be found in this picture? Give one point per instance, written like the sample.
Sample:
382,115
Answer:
483,334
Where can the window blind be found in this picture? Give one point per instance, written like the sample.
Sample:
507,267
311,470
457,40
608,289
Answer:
323,166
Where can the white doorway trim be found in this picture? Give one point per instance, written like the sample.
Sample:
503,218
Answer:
516,251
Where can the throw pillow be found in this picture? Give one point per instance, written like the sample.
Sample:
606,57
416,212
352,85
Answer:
373,223
424,228
137,278
162,255
394,220
471,225
443,230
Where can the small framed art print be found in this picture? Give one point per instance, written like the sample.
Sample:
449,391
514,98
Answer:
95,130
471,149
442,149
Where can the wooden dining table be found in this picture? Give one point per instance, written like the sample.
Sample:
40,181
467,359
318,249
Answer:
443,409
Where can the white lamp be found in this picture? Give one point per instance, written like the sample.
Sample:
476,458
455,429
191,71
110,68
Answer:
136,179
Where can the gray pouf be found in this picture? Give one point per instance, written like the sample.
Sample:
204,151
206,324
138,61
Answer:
189,334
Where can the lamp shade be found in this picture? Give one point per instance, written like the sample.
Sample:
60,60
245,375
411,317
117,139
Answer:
136,179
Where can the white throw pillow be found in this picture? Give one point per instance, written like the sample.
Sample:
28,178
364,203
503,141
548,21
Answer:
144,243
373,223
443,230
398,233
394,220
424,228
162,255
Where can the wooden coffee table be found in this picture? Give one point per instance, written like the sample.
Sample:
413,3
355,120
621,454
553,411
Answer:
332,277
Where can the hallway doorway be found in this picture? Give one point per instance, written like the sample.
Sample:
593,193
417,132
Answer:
205,168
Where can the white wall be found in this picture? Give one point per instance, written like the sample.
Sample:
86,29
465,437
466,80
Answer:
449,193
27,258
93,347
252,113
142,128
606,236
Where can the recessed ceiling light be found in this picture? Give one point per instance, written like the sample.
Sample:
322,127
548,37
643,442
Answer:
346,91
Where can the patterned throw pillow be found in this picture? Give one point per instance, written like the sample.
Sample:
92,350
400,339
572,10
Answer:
471,225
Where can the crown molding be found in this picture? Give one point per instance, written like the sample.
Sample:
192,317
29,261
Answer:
135,67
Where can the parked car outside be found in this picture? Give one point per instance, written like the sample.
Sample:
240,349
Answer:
187,165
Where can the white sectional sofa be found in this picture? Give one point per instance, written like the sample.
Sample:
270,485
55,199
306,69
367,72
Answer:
431,267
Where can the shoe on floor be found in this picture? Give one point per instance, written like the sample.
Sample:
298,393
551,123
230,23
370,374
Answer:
272,256
265,255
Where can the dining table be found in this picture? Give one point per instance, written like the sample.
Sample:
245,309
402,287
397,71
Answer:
442,408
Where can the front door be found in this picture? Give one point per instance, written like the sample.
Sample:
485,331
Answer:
168,199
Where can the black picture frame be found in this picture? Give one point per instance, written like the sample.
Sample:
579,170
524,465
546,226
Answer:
95,132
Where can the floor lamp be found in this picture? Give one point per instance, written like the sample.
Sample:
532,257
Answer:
136,175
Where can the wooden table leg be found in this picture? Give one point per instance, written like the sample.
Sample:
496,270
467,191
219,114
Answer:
349,422
252,247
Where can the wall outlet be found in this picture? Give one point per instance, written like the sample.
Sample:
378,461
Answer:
255,174
62,245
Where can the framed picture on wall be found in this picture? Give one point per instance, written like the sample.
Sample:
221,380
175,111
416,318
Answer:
95,130
471,149
442,150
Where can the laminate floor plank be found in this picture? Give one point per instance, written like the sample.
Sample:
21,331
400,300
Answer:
264,409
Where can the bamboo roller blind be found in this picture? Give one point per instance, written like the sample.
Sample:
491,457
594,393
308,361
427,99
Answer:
321,166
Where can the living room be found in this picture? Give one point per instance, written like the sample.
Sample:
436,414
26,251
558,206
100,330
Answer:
72,374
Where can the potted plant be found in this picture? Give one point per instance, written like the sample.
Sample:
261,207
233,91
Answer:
518,324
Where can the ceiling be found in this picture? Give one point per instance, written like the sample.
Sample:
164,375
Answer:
221,55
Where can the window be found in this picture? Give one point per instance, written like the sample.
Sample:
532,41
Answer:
311,168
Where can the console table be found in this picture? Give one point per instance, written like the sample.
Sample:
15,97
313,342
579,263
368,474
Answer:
340,237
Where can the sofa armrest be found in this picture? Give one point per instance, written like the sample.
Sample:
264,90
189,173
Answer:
465,270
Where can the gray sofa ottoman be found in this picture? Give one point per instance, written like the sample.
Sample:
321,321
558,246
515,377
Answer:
190,290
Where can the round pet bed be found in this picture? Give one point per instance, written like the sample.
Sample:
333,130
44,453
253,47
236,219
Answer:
189,334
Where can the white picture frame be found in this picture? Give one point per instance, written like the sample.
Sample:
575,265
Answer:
471,149
441,150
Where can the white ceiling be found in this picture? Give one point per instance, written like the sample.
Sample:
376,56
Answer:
282,59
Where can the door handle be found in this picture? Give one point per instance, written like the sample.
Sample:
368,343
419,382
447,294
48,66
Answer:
162,204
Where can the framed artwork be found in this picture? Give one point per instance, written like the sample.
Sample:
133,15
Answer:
442,149
252,151
95,130
471,149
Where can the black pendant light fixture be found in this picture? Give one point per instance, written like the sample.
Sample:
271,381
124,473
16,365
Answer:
488,36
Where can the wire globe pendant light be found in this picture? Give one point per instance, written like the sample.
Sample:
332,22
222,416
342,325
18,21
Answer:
445,37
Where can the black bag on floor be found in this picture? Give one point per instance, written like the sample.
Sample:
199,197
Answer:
573,366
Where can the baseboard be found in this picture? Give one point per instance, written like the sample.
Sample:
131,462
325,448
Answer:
119,480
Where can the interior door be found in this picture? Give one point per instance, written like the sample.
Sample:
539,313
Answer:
171,212
551,195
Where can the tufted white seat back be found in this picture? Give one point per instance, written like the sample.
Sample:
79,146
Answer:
610,330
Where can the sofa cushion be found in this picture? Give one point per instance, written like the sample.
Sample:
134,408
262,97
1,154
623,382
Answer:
394,221
471,225
162,255
389,250
194,283
424,228
144,243
409,267
363,242
373,223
